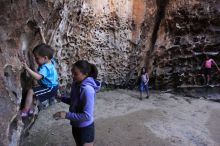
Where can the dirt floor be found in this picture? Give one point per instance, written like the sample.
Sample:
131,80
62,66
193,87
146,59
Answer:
121,119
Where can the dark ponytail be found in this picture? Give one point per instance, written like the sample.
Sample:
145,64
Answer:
94,71
86,68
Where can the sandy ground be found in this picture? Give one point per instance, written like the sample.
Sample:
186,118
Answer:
121,119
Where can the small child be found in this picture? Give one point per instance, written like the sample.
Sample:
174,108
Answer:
207,65
81,101
46,76
144,82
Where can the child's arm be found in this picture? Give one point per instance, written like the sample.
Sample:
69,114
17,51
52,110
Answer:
32,73
88,108
215,64
64,99
61,98
147,77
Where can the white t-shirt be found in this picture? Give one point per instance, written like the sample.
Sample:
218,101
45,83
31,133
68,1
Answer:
144,78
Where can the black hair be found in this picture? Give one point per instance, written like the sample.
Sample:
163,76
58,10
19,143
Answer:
44,50
86,68
143,70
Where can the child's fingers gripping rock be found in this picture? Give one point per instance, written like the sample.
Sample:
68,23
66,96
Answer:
24,64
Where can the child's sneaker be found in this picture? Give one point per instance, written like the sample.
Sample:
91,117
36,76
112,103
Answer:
24,113
31,111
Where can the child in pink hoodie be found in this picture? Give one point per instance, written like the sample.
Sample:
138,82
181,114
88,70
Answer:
207,65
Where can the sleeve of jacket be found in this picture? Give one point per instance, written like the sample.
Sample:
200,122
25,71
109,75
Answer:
88,95
67,100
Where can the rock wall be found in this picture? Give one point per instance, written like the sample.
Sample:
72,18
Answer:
19,34
118,36
188,30
104,32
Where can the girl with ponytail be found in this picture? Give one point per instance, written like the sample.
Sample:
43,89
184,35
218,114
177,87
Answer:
81,101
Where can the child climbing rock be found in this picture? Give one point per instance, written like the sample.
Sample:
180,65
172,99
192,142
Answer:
207,66
46,76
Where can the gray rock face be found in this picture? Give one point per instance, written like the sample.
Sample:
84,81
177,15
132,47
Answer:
188,31
118,36
18,35
104,33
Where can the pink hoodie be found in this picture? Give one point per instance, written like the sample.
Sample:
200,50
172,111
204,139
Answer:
208,63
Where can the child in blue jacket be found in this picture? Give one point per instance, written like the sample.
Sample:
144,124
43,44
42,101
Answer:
81,101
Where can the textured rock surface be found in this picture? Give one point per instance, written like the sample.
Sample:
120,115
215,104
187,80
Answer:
17,36
106,33
187,28
119,36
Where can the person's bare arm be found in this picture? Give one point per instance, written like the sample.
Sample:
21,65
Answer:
215,64
32,73
147,77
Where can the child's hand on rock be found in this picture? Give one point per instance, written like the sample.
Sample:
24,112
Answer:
24,64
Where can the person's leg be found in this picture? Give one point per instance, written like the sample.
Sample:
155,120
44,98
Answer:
87,135
76,135
141,88
204,78
208,79
28,102
29,99
43,94
140,95
147,91
52,99
207,75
